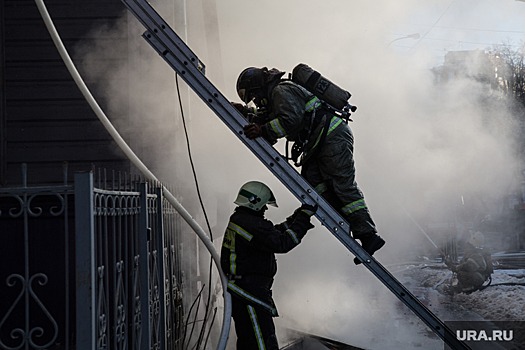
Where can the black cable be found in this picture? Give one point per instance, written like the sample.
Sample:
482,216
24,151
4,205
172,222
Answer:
188,318
207,310
211,325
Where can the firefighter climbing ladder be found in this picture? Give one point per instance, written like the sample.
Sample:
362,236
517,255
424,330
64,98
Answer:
182,59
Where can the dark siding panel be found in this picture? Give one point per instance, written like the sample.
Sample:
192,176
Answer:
3,116
65,151
39,91
48,122
50,109
53,172
20,9
34,29
48,69
57,131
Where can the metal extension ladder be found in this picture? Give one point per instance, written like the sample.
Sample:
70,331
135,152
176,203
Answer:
188,66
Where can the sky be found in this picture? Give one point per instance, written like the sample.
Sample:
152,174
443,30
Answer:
421,152
462,25
357,26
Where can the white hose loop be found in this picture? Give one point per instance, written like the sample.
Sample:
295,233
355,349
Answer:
142,167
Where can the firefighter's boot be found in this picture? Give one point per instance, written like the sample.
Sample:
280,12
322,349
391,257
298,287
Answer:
371,243
364,229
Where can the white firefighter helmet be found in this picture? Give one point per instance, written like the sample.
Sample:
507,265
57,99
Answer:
477,239
255,195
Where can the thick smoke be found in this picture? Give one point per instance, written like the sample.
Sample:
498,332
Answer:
423,153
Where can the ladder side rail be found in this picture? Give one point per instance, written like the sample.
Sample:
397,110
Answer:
330,218
181,58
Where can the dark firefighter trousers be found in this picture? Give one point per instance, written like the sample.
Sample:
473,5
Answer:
254,327
331,171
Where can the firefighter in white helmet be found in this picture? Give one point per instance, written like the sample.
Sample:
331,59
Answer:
248,260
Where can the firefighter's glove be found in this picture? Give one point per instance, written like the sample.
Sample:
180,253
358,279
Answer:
245,110
252,130
238,106
309,209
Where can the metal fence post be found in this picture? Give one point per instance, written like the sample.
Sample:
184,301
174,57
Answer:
162,263
85,262
143,232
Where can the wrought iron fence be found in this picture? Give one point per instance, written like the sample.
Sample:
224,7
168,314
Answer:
35,273
88,266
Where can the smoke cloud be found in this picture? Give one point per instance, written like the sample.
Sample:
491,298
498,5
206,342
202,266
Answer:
423,152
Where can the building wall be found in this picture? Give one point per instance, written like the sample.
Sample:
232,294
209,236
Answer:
45,120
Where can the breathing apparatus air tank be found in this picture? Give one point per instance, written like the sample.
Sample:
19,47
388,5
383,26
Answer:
320,86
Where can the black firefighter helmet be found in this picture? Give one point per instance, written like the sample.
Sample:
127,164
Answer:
252,83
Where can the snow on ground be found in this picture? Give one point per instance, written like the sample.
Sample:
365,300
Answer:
381,321
499,302
503,300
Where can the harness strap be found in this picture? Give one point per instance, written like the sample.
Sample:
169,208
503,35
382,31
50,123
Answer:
232,277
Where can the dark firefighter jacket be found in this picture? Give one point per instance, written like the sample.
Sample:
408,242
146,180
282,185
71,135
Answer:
327,160
474,268
248,252
298,115
476,260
